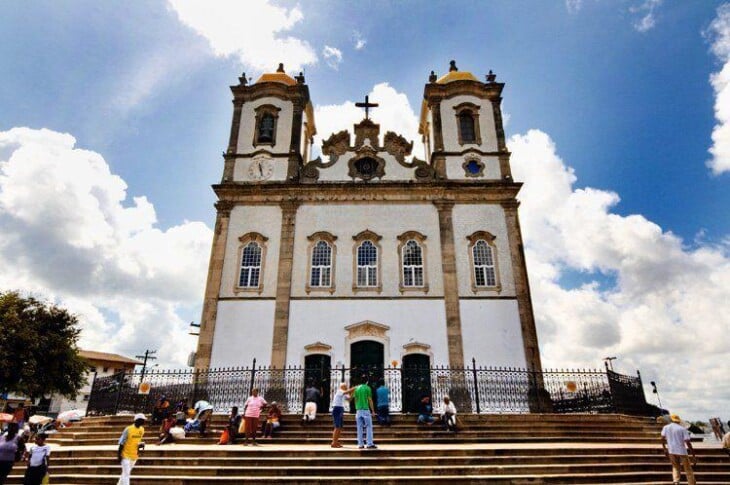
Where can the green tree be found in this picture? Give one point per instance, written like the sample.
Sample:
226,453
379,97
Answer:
38,348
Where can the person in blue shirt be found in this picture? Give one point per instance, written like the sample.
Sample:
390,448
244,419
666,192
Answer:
383,399
425,410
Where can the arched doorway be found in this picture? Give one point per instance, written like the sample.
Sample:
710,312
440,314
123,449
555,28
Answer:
416,370
317,371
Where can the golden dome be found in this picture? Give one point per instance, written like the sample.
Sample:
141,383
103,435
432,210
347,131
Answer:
456,75
277,77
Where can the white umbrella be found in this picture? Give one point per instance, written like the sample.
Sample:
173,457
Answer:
71,415
38,419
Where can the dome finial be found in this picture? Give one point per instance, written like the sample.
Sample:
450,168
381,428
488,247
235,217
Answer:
281,67
452,66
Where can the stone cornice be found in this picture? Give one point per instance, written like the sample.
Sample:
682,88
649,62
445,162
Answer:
434,92
268,193
246,93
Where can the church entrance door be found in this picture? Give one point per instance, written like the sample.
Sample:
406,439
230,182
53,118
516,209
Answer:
416,370
366,357
317,370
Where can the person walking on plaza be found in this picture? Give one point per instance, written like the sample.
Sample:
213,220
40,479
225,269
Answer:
382,396
204,411
311,398
364,411
38,461
129,444
675,443
338,413
251,412
12,446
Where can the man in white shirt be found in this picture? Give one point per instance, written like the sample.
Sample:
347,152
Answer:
675,443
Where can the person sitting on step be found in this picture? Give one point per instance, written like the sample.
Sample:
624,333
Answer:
424,411
448,415
273,420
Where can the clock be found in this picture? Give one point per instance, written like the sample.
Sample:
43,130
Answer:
261,168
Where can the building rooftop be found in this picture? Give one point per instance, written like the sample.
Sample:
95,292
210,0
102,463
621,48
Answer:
107,357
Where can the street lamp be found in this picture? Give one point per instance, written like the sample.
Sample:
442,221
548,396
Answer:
194,329
608,362
655,391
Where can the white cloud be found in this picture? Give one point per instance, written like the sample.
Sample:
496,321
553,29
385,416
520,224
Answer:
71,234
719,33
648,15
359,41
667,314
332,56
394,113
253,30
573,6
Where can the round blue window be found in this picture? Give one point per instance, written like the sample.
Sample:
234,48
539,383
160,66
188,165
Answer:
473,167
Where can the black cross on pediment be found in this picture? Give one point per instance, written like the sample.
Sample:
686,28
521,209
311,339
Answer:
367,105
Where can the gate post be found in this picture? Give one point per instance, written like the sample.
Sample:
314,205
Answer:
476,383
253,373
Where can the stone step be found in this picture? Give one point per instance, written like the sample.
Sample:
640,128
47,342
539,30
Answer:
373,469
654,478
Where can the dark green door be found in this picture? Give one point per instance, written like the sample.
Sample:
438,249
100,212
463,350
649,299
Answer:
317,370
366,359
416,370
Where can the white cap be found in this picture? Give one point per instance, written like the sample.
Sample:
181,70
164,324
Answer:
140,416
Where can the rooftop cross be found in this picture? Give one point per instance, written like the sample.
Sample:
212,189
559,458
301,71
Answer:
367,105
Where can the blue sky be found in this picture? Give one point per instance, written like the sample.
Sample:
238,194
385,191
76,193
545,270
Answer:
620,90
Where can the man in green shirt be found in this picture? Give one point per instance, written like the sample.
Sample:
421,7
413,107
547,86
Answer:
363,396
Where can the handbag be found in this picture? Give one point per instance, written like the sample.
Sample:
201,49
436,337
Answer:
242,427
225,437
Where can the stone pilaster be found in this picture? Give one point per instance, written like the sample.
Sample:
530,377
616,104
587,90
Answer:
438,133
295,155
213,285
283,283
451,285
522,287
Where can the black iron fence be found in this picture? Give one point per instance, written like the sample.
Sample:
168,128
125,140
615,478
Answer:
473,389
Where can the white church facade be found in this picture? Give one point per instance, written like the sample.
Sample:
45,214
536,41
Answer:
367,255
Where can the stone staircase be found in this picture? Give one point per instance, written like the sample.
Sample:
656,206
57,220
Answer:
489,449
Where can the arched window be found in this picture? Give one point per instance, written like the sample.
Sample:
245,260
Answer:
466,128
484,274
252,256
267,116
412,264
266,128
367,265
250,266
467,120
483,258
321,272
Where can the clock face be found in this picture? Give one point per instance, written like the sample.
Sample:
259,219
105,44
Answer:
261,168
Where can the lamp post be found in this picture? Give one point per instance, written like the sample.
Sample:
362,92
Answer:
194,329
655,391
608,362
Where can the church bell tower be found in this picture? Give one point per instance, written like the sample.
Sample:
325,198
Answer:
272,129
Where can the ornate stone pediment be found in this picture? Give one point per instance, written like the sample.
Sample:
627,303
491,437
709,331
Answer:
366,130
318,348
416,348
366,328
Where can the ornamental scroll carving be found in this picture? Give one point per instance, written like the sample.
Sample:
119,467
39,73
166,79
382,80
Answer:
400,148
336,145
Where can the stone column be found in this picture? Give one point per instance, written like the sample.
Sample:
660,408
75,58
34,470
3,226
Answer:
213,285
283,284
522,286
451,285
